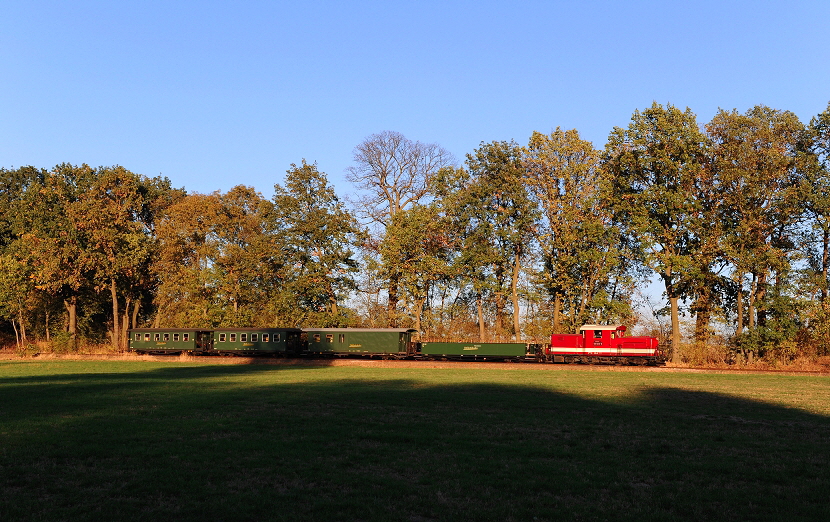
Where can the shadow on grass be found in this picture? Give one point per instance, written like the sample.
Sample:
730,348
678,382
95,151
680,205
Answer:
257,443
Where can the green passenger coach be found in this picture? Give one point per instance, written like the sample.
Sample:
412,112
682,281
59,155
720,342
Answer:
254,341
169,340
395,342
229,341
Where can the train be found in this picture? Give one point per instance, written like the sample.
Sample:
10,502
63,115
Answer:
593,344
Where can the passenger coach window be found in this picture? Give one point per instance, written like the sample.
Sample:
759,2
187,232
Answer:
243,338
254,338
175,337
146,337
222,337
167,337
342,338
265,338
329,338
276,337
186,337
233,337
138,337
316,338
597,334
157,337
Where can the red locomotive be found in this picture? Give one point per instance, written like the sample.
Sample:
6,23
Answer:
603,343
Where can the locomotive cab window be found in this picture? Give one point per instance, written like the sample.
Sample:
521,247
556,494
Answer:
597,334
265,337
222,337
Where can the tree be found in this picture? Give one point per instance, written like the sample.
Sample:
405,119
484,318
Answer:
492,207
219,259
585,263
394,173
187,250
107,215
657,165
420,243
818,199
50,237
317,235
757,159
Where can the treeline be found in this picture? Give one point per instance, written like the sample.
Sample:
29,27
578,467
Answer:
732,217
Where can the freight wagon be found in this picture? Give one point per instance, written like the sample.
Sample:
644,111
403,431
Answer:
472,351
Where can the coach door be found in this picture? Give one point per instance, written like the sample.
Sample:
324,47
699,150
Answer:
204,341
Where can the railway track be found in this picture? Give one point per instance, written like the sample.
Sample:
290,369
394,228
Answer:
406,363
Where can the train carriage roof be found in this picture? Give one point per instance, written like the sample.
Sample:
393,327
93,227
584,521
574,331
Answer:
251,329
362,330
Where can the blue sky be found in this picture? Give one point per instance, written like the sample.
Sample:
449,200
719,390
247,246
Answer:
215,94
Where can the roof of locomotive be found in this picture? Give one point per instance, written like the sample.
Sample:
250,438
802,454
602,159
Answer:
602,327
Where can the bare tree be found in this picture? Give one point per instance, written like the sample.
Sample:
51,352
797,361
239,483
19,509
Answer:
394,173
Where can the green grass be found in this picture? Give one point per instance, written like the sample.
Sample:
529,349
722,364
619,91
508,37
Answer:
104,440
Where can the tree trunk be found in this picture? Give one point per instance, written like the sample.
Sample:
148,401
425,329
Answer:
71,306
16,334
557,306
675,330
825,260
762,293
136,306
583,304
115,318
750,312
703,313
740,305
419,310
392,304
702,319
499,326
125,324
480,310
48,337
514,283
22,326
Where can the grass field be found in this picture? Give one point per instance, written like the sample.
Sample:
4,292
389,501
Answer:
102,440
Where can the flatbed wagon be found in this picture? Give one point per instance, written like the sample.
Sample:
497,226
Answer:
478,351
